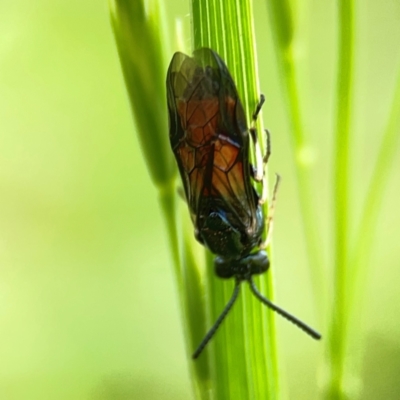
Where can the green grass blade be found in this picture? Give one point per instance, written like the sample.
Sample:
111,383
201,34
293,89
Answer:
375,192
195,299
141,47
360,253
136,26
282,27
244,359
338,334
138,32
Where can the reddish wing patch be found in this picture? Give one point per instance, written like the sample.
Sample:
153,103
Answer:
228,178
212,161
199,120
209,136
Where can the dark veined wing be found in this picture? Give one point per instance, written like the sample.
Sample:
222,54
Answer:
209,136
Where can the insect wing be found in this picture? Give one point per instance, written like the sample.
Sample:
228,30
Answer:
209,136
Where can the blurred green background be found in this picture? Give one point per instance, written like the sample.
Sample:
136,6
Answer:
88,308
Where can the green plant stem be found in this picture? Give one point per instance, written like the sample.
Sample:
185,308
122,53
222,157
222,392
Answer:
167,198
339,332
244,359
381,174
194,299
138,30
360,256
282,29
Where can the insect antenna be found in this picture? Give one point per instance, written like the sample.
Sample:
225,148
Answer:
307,329
218,322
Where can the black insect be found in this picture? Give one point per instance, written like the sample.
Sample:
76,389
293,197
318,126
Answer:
210,139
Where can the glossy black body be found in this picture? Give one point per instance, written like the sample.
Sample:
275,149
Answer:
210,139
211,142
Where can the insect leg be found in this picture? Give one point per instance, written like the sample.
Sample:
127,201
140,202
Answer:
268,152
258,171
264,194
270,218
258,107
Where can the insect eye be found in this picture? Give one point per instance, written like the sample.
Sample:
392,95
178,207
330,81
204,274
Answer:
224,268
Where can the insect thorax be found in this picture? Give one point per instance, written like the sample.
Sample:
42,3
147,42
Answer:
225,235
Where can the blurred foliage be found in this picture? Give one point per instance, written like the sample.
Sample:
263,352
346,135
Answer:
88,308
139,35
